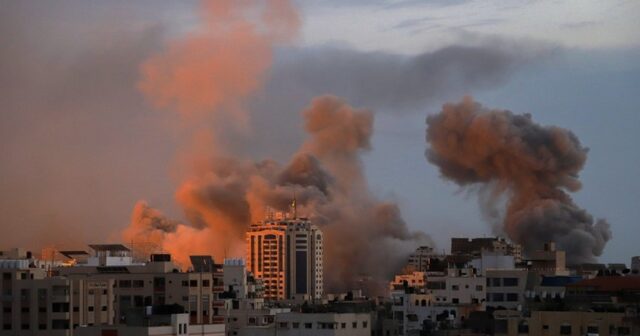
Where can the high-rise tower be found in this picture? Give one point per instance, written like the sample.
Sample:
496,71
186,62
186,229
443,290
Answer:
286,253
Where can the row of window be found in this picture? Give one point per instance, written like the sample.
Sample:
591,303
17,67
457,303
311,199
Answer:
502,282
320,325
502,297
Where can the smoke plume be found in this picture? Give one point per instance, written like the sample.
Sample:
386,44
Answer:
327,177
211,69
534,167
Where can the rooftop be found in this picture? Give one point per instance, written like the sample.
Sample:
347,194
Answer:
109,247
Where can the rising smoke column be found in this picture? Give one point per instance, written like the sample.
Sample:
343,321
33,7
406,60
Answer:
207,76
364,237
534,167
210,70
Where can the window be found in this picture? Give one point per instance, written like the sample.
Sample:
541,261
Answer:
90,308
283,325
185,283
308,325
42,326
343,325
205,283
512,297
523,328
479,287
455,300
193,283
510,282
545,327
137,284
124,283
59,324
565,329
295,325
6,276
364,324
354,325
593,330
6,326
455,287
497,297
24,326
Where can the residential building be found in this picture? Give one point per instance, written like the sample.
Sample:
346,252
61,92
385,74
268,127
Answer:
325,324
286,253
548,261
505,288
572,323
475,246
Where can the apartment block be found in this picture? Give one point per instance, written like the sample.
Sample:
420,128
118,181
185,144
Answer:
287,255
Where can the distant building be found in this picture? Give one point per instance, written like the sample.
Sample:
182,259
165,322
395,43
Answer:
413,280
475,246
329,324
287,255
506,288
635,264
121,290
542,323
548,261
420,260
235,277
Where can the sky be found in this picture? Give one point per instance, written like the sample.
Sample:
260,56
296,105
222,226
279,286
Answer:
80,144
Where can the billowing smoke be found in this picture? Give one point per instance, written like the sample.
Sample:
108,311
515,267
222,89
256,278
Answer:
222,61
147,229
207,77
533,167
365,237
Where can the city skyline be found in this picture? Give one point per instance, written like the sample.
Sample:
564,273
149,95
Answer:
80,153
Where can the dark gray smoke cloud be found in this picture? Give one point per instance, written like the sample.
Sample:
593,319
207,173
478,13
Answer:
533,166
384,82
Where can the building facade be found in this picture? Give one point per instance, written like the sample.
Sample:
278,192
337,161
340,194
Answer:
287,255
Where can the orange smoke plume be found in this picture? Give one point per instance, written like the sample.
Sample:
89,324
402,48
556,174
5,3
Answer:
213,68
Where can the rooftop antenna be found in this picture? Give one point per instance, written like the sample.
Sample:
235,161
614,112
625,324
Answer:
293,205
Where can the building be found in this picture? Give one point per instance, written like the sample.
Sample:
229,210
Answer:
506,288
420,260
330,324
287,255
492,260
155,324
235,278
475,246
34,303
635,264
159,283
572,323
548,261
402,281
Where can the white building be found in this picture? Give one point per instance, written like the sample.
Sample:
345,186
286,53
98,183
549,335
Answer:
506,288
235,277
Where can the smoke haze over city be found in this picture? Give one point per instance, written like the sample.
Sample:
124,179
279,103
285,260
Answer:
176,127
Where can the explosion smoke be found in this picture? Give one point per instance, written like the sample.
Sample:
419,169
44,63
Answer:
534,166
327,177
